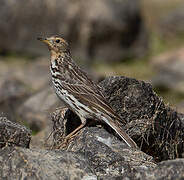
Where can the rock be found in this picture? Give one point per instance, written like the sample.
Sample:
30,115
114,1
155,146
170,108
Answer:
47,164
172,169
13,134
43,139
17,163
171,24
34,74
156,128
95,153
37,108
107,30
19,81
170,67
12,93
108,155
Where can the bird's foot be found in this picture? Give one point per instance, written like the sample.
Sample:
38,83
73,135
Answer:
67,140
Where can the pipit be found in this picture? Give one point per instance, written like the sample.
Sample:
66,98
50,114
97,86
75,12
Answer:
78,92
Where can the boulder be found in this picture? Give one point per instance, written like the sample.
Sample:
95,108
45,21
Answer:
13,134
95,152
169,67
171,23
17,163
106,29
19,81
36,109
171,169
155,127
12,93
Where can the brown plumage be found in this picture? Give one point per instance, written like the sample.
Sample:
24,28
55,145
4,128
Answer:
78,91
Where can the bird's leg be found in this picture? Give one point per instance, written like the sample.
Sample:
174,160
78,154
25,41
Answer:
73,133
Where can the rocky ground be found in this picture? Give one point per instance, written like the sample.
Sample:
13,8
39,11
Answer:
96,152
146,36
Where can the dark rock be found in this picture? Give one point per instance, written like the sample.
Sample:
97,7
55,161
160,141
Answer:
13,134
106,153
103,157
109,156
106,29
64,122
95,153
130,98
156,128
19,163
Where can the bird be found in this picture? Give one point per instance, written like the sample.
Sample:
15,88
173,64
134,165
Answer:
78,91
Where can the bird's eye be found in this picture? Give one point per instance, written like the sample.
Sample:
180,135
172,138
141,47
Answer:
57,40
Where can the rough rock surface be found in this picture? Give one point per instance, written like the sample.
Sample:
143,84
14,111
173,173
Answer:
172,169
95,153
113,158
106,29
19,163
156,128
13,134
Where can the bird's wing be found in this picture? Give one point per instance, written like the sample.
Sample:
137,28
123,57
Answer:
77,83
90,96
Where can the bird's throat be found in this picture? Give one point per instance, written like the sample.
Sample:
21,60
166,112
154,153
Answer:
54,55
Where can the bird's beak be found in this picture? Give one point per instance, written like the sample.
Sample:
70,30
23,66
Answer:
45,40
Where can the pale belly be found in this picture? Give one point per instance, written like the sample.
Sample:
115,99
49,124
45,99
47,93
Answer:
72,103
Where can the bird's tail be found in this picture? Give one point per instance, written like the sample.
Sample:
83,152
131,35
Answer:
121,133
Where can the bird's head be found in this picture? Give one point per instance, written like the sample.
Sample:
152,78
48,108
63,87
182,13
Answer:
56,44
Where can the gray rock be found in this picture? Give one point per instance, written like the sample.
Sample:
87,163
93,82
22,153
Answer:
169,67
37,108
156,127
106,29
108,155
172,169
153,126
25,92
171,24
95,153
12,93
19,163
33,74
13,134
